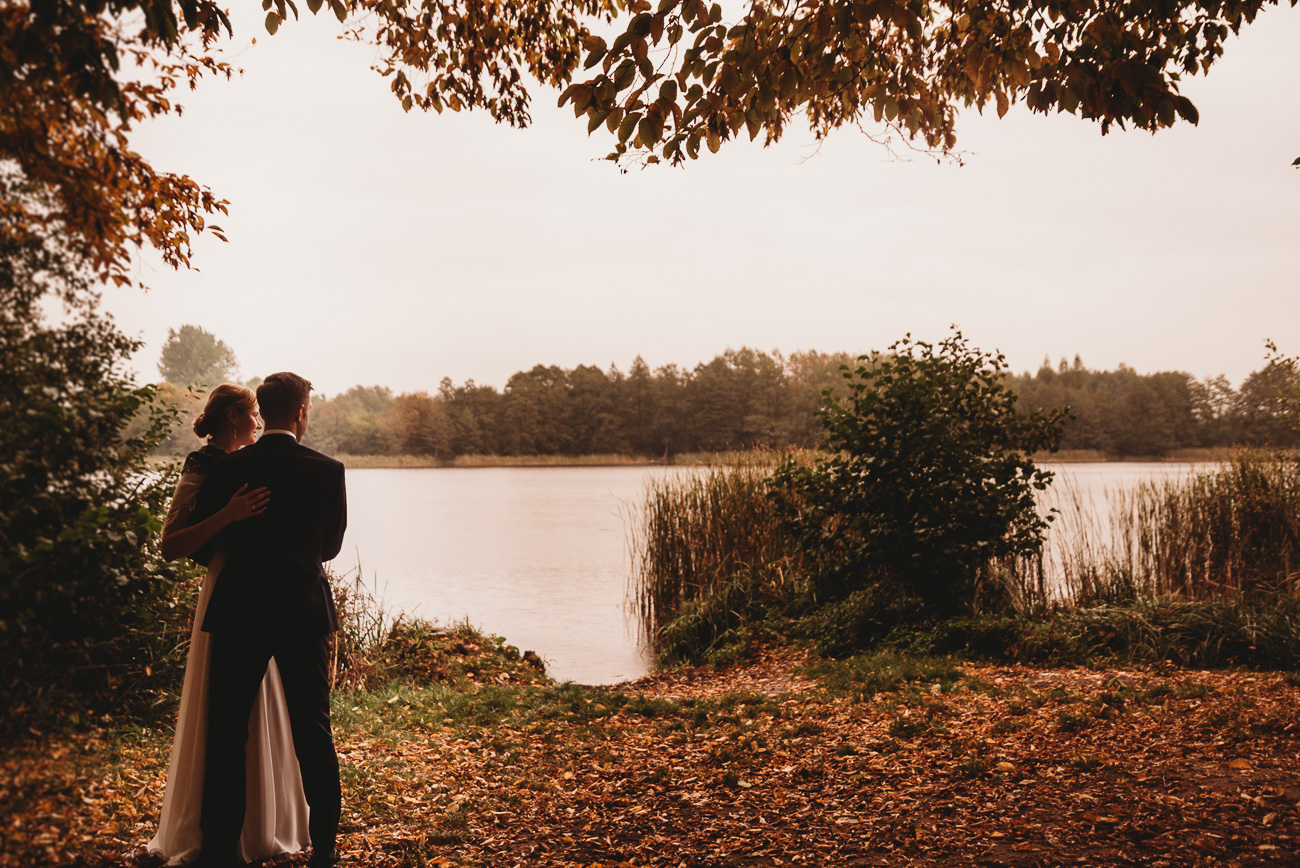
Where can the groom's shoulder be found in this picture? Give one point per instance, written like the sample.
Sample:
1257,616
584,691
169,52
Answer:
320,458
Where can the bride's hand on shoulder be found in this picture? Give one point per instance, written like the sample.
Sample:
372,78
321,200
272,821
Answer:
246,503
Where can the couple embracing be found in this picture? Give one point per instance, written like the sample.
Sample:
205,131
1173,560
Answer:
262,514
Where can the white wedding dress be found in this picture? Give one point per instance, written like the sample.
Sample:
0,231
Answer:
276,818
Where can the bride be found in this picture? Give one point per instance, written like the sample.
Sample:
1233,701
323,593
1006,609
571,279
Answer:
276,817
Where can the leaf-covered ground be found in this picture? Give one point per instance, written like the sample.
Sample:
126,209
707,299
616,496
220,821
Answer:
876,761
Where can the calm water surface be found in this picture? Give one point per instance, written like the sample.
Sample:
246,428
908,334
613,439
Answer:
540,555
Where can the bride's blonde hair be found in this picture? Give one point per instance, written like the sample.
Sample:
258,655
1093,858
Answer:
221,400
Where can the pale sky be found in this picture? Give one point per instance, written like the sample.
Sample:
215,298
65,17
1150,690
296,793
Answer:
368,246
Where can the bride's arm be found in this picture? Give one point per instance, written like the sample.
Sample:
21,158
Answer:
180,540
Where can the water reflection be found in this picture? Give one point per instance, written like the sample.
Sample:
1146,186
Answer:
538,555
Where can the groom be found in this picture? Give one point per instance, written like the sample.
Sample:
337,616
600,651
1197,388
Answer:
272,600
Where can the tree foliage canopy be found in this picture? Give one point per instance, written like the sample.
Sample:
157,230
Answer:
86,606
679,75
193,356
74,81
664,80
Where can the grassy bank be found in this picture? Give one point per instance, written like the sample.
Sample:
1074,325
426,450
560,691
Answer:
1201,569
879,760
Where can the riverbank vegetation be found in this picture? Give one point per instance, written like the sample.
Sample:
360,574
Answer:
924,528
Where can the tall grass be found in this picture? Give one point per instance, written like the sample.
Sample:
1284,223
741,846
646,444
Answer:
1202,569
364,624
700,532
1233,532
1229,533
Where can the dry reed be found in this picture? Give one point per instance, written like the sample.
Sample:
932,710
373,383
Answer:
700,530
1228,533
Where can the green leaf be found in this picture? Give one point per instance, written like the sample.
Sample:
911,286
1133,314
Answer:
650,129
567,95
628,125
272,23
640,25
624,74
1186,110
315,5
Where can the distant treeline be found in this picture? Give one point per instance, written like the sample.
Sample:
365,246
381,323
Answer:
747,398
739,400
1124,413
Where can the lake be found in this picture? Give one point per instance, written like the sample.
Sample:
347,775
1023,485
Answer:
540,555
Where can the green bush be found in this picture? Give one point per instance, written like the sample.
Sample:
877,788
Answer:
90,616
930,475
865,618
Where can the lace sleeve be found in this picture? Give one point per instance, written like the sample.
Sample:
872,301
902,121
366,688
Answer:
182,507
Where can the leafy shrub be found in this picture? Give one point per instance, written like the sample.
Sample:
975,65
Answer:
930,475
89,614
862,619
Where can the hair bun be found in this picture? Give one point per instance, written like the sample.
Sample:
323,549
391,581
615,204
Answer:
201,425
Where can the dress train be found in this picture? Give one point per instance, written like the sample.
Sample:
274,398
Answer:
276,818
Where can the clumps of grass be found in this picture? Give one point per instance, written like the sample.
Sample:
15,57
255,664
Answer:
884,671
1201,571
718,626
910,727
652,707
1191,634
418,652
1075,719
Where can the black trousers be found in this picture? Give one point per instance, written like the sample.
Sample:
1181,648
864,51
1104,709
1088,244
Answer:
237,664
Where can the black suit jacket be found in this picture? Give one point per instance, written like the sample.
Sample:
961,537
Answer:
273,578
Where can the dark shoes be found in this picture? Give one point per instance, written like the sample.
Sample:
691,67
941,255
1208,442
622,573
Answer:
206,860
324,860
317,860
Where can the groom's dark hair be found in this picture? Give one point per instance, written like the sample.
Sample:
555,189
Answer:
281,394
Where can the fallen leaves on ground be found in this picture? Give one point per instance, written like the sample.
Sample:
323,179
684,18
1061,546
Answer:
762,764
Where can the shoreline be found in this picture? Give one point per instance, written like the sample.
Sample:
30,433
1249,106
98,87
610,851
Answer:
698,459
704,459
